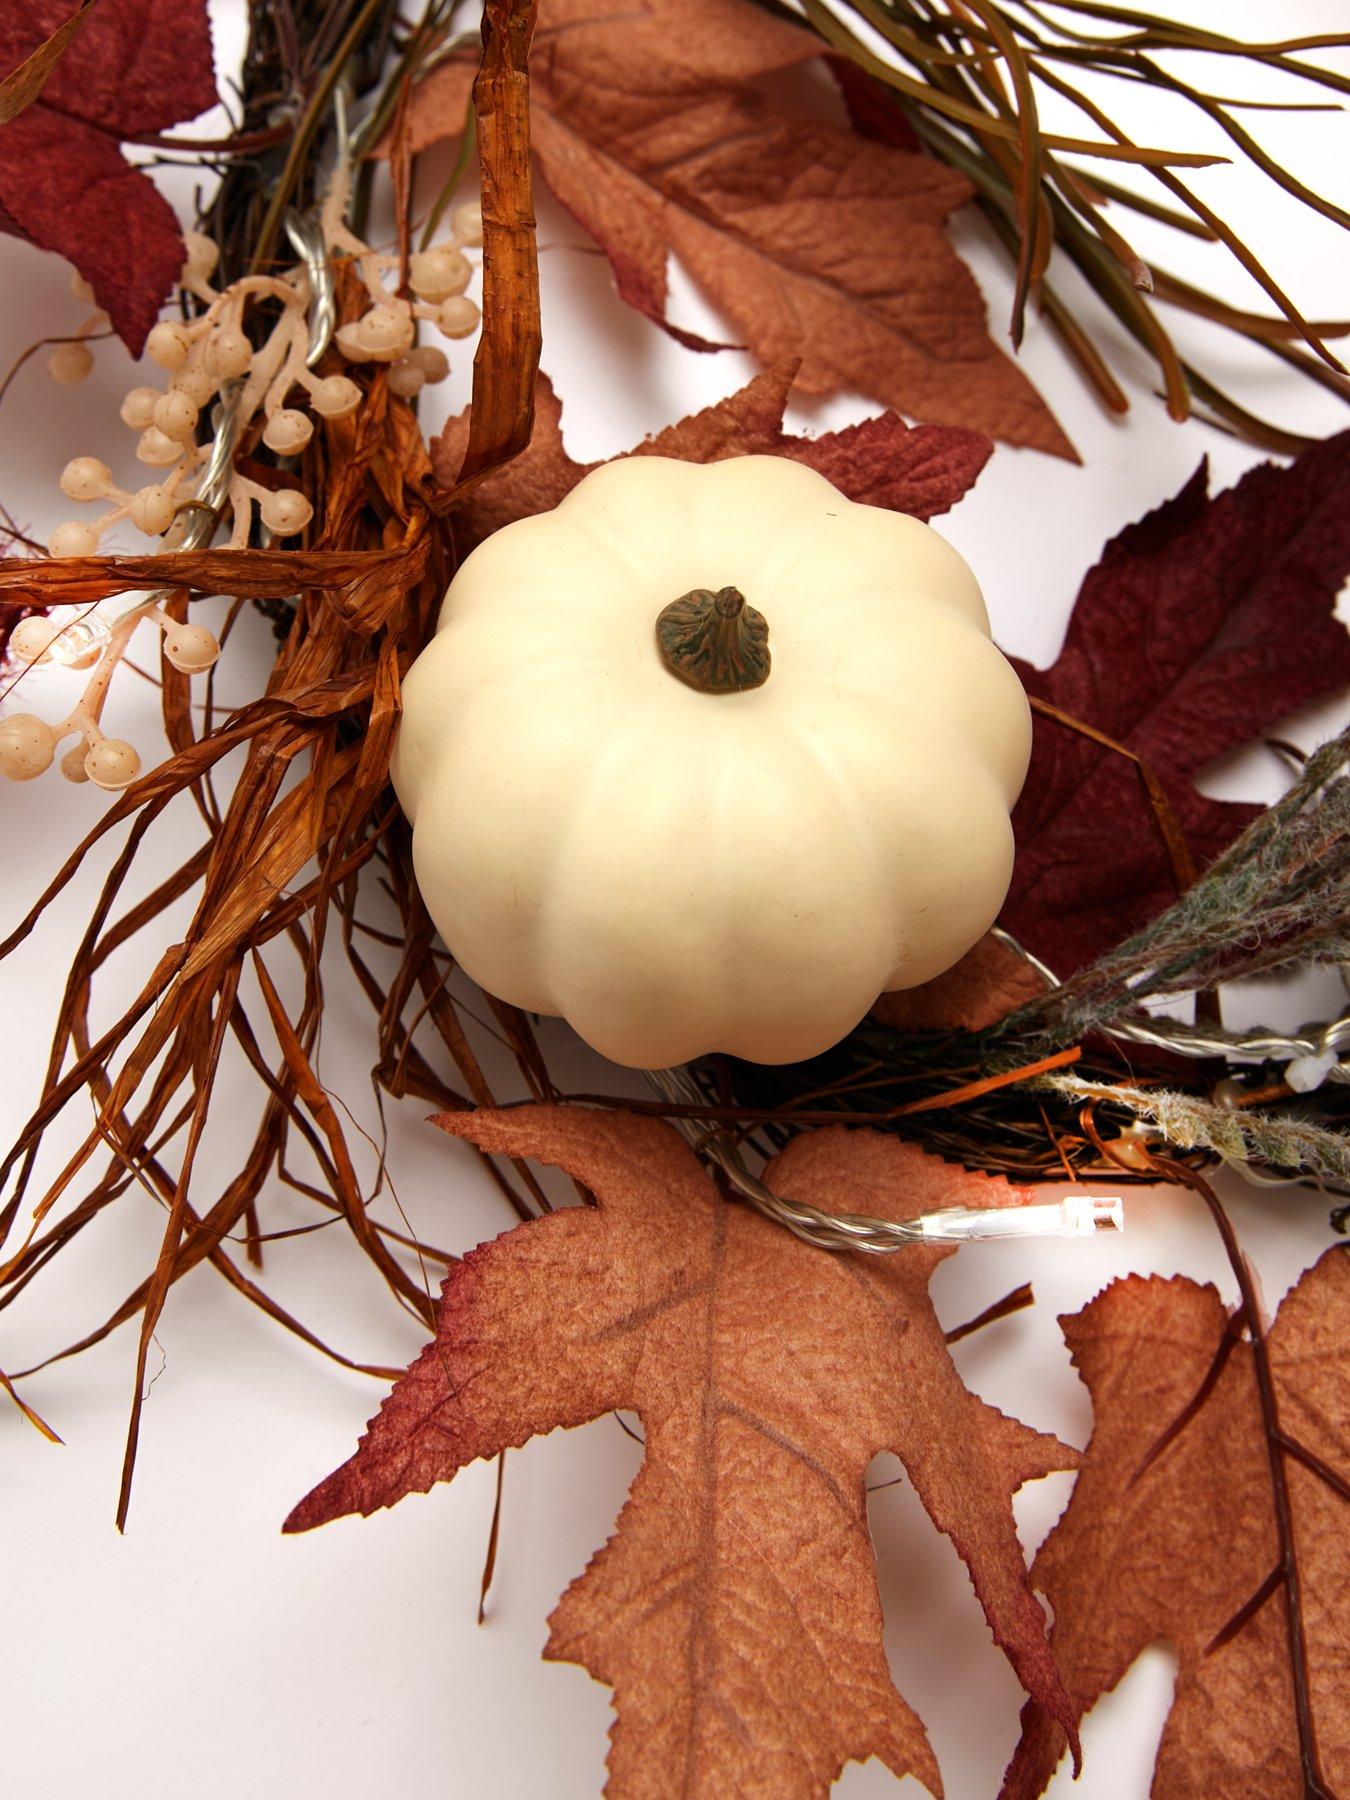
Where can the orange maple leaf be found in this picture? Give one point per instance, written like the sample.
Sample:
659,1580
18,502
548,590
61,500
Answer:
735,1610
1171,1534
814,241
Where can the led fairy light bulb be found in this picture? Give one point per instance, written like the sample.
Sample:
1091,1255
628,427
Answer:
1075,1216
73,641
80,641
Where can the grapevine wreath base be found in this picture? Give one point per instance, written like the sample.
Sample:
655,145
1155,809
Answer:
746,1262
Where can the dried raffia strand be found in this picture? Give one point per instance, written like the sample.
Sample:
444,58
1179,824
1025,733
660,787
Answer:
281,855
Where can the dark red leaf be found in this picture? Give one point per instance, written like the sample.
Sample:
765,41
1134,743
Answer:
135,68
871,107
1201,627
921,470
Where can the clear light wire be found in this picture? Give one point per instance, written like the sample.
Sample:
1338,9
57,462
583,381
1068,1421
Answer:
1314,1043
1075,1216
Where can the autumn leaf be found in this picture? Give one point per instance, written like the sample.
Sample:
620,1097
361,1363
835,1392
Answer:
735,1610
988,983
815,241
871,107
135,68
1180,1545
921,470
1201,627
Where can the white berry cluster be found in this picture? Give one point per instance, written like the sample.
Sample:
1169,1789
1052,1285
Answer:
28,743
201,355
437,277
71,360
268,382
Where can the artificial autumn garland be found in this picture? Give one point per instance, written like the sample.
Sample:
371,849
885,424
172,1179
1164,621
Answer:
1035,1092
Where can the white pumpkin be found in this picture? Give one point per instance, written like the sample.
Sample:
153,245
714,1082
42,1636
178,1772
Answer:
677,871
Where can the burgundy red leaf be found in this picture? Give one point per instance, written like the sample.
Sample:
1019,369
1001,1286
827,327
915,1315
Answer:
134,69
920,470
1201,627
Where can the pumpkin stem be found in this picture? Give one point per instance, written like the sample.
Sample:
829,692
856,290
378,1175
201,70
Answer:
714,641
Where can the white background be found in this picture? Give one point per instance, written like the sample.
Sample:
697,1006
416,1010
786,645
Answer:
204,1654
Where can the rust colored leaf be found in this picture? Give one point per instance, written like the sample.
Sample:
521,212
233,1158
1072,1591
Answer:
1201,627
131,70
1181,1546
507,359
815,241
987,984
921,470
735,1611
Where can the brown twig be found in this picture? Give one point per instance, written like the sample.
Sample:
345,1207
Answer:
1016,1301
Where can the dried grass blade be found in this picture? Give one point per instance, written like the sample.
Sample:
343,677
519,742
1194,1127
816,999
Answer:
1169,830
1240,422
828,27
1253,325
1104,271
1151,209
1250,262
21,88
1214,108
164,1268
35,1419
1032,214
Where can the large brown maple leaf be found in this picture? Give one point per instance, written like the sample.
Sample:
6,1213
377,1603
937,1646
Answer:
1201,627
133,69
815,241
920,470
735,1611
1179,1543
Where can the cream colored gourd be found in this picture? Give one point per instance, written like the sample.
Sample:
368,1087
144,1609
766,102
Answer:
676,871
